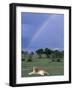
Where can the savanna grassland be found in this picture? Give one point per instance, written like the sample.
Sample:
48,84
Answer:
52,60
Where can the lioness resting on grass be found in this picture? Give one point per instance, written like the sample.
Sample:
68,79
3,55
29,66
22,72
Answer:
39,71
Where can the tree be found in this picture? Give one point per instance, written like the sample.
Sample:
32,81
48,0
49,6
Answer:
48,52
32,53
59,54
24,52
52,56
39,52
62,54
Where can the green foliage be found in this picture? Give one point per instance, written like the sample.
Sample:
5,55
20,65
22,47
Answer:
23,59
32,53
59,54
30,57
24,52
53,60
29,60
39,52
48,52
58,60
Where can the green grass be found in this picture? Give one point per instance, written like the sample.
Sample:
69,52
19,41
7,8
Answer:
54,68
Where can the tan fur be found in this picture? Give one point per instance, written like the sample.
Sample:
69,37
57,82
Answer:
39,70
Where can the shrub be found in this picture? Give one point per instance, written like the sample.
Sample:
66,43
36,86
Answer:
23,59
58,60
53,60
29,60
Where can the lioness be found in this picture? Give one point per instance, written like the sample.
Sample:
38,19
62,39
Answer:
39,70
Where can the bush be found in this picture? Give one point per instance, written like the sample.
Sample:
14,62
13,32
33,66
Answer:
23,59
53,60
58,60
29,60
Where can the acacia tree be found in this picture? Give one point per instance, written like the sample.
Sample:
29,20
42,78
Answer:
48,52
39,52
62,54
59,54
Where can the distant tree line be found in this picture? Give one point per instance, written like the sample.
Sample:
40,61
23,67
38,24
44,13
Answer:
50,53
53,54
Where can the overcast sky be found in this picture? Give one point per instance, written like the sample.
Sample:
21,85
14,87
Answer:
42,30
